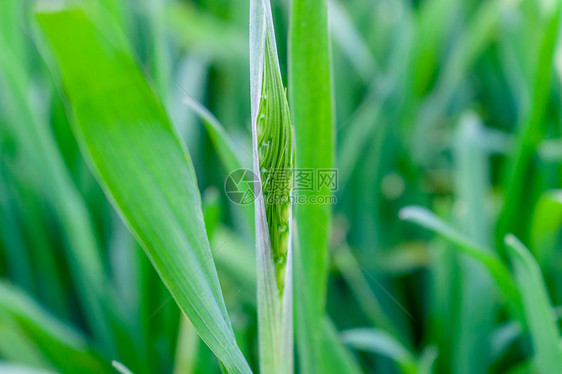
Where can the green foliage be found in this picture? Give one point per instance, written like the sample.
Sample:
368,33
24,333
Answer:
538,310
114,131
115,114
272,142
276,159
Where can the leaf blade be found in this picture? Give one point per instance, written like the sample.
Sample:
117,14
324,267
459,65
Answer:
311,99
144,169
537,307
275,310
498,270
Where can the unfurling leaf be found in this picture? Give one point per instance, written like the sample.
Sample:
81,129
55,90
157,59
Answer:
276,154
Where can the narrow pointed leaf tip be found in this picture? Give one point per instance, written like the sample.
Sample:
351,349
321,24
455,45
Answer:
144,169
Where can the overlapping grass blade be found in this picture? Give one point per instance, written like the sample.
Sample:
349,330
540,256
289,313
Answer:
380,342
21,369
275,300
195,29
231,152
120,368
66,348
497,269
349,39
233,155
539,315
37,142
359,286
17,346
311,99
18,259
338,358
187,349
465,52
546,223
477,293
144,169
518,203
502,338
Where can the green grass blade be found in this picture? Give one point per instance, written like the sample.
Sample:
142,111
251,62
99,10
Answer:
353,275
382,343
337,357
120,368
234,258
497,269
17,256
17,346
536,305
49,278
518,202
135,152
187,349
477,293
8,368
503,337
197,30
361,130
231,152
233,155
66,348
545,224
310,90
37,142
351,42
275,308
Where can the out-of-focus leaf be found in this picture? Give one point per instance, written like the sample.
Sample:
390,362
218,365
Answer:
66,348
551,150
477,294
518,202
537,307
404,259
187,349
144,169
120,367
502,338
465,52
349,39
353,275
311,100
336,355
204,32
17,346
525,367
506,334
233,155
234,257
8,368
382,343
427,360
546,222
17,256
361,128
38,143
497,269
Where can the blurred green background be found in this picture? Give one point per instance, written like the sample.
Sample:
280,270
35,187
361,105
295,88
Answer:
449,105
